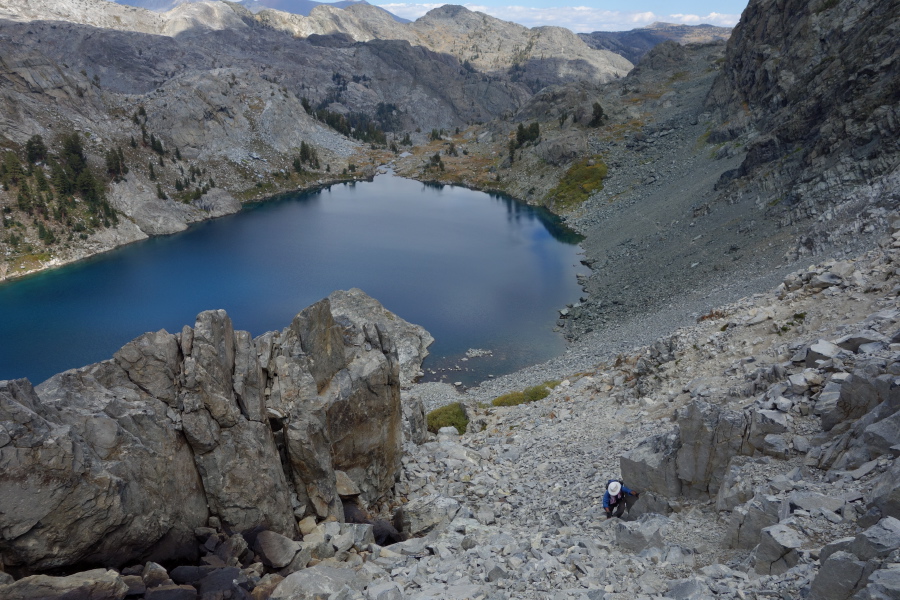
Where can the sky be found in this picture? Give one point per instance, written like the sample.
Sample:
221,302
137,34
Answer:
584,16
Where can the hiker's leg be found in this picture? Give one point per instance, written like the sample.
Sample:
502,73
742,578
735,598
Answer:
620,509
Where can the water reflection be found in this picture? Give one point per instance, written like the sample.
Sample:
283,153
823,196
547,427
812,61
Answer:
476,270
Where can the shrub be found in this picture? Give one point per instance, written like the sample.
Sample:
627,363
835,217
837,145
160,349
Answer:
532,394
712,316
451,415
598,116
581,180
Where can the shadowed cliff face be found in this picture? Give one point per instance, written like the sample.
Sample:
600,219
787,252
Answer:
121,460
817,85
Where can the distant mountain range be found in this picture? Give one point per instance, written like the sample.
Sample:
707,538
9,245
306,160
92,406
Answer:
630,44
297,7
636,43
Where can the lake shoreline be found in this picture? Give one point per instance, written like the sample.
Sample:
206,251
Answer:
84,253
450,259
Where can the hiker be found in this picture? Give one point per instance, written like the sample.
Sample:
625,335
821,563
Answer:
614,501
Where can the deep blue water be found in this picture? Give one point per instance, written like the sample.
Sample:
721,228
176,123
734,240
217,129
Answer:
476,270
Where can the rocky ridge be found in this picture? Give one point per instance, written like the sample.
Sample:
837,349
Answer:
540,55
635,44
813,98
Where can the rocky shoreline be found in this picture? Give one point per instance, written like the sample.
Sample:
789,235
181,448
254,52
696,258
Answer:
128,233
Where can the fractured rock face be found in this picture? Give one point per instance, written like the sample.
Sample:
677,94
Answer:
122,460
411,341
90,472
646,532
651,465
839,577
778,549
710,438
747,521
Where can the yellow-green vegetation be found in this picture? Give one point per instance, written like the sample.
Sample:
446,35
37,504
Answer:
451,415
267,188
797,319
28,262
532,394
703,139
581,180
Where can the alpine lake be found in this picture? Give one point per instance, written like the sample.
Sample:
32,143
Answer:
484,274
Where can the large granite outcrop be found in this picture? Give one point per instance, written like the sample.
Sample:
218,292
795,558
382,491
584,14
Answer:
411,341
694,458
123,459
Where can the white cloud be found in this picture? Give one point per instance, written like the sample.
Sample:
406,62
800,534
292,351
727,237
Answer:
712,18
581,19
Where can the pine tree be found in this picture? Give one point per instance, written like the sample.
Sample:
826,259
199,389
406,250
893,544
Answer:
12,169
24,200
35,150
41,180
598,116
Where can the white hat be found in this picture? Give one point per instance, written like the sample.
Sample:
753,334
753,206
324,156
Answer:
614,488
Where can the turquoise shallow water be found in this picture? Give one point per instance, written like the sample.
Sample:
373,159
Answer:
476,270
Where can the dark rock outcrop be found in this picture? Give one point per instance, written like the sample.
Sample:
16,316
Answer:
816,83
123,459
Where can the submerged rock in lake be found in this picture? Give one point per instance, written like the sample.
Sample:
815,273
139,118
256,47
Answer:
122,460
